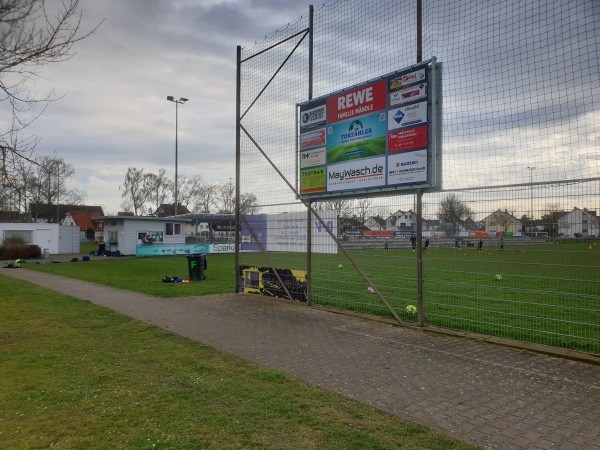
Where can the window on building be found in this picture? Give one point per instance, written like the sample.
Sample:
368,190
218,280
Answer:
23,234
174,229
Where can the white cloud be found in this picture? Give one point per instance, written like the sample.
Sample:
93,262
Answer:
114,113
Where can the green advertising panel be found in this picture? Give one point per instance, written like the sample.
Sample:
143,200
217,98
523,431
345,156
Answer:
313,180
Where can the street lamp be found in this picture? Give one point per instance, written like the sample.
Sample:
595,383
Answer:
55,164
531,169
181,101
231,205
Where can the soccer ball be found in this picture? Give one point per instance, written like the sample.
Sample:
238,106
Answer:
371,290
411,309
498,277
340,266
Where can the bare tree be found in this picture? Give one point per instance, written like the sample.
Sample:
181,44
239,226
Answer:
206,198
22,183
363,207
249,204
452,213
44,182
31,37
160,189
341,206
226,198
189,190
135,190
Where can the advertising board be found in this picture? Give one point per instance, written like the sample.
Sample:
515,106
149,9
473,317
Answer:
380,136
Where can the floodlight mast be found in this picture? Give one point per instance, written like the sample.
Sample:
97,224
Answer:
181,101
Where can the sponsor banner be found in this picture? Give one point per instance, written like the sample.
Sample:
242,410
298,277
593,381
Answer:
314,117
406,79
258,225
479,234
407,167
312,180
351,140
314,138
182,249
356,174
357,102
408,94
407,116
378,233
286,232
356,138
313,157
408,139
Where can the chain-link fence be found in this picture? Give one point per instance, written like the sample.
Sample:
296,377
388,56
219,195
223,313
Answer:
521,96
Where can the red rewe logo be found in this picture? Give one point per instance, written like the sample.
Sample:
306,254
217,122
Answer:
357,102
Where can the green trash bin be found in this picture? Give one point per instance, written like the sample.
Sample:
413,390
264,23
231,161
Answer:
196,266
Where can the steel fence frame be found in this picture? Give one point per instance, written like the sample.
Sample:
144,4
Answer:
436,281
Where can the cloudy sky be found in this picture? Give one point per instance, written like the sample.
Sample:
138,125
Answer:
114,113
521,86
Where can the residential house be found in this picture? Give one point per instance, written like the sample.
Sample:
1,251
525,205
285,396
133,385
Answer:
168,210
471,226
431,228
350,226
89,222
502,222
579,223
402,221
375,223
44,213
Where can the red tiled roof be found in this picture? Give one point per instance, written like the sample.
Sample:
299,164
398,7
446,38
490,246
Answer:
84,219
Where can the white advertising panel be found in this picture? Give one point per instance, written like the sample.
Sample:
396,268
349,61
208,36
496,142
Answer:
313,157
357,174
408,167
407,116
313,138
287,232
314,117
408,94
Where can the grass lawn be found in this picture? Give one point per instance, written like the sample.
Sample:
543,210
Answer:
75,375
145,274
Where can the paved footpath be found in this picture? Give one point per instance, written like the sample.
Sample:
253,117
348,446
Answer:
492,396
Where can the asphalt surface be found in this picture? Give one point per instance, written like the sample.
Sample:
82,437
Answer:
490,395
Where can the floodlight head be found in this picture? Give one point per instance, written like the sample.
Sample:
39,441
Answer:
170,98
183,99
